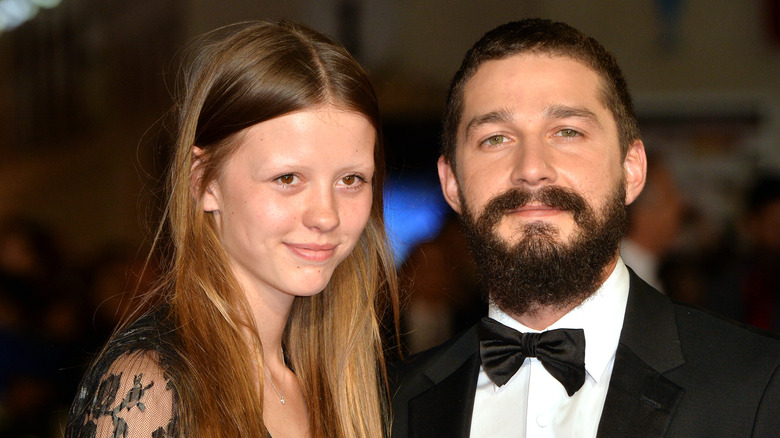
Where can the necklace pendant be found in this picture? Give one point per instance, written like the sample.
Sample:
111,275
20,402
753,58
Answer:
282,400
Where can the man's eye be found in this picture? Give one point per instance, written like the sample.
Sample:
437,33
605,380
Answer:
568,133
495,140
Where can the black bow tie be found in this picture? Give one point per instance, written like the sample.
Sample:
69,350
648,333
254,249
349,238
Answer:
503,350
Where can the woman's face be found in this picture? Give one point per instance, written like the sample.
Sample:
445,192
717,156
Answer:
292,201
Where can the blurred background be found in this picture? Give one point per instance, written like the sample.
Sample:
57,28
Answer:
84,85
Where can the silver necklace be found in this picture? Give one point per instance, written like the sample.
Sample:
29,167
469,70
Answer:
284,380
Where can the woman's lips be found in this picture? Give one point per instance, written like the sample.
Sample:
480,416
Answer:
312,251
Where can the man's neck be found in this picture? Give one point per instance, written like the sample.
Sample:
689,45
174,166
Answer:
540,317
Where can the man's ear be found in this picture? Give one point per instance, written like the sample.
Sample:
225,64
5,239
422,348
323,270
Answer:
635,166
210,198
449,184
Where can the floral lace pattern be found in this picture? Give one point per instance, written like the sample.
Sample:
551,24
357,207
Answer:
122,409
127,393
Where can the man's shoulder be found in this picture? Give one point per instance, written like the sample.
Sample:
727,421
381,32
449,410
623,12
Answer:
696,329
433,388
731,368
716,333
696,348
451,354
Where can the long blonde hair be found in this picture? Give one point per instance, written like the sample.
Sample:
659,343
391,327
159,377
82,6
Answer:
237,77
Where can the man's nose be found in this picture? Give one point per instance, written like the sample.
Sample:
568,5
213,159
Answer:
532,163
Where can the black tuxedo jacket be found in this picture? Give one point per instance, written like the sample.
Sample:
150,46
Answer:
679,372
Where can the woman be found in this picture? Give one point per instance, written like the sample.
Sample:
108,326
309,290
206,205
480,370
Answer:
279,271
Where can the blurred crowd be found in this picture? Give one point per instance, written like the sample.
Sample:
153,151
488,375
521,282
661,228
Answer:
54,316
744,274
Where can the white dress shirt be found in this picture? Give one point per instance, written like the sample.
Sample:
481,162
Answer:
533,404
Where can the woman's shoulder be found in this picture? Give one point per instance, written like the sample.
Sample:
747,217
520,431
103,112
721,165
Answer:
129,390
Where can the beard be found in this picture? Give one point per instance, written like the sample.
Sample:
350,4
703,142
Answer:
540,271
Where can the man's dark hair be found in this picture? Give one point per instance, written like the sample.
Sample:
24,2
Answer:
540,36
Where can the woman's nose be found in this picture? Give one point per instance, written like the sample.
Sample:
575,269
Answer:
322,210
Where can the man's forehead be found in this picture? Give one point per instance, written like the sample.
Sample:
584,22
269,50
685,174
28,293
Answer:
499,85
510,70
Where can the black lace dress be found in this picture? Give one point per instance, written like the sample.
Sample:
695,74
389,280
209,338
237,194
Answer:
128,392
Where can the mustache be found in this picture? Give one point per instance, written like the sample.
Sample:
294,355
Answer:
552,196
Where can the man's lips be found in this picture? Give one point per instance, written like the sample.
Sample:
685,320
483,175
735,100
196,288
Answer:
312,251
535,210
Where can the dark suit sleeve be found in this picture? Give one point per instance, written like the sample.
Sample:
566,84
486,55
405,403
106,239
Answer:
768,416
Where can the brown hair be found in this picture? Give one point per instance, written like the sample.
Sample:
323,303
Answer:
548,37
238,77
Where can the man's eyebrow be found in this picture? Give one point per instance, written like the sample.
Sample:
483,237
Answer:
484,119
567,112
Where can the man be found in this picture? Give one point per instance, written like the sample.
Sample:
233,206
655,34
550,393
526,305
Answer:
541,153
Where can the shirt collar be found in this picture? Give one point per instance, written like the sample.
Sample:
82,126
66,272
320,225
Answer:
600,316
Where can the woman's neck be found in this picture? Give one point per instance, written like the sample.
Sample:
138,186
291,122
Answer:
270,314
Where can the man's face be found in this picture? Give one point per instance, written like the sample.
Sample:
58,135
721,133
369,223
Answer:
531,121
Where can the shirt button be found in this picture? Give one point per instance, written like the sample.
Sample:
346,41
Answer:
542,420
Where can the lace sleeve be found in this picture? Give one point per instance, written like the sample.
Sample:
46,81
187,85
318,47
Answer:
133,399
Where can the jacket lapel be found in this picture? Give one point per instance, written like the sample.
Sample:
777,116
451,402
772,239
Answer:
444,409
640,400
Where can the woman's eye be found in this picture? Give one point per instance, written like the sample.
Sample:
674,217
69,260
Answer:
352,181
287,179
495,140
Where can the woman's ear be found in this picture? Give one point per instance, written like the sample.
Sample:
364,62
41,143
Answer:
209,198
635,166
